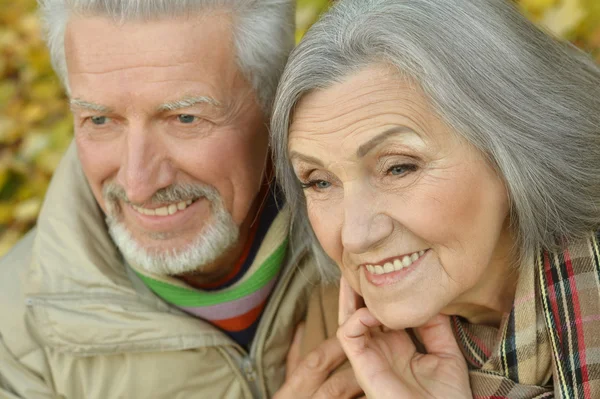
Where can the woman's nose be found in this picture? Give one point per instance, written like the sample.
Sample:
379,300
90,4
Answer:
365,226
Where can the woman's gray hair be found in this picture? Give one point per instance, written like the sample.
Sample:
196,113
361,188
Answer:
529,102
263,31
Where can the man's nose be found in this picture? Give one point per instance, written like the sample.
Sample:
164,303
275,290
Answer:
145,165
365,225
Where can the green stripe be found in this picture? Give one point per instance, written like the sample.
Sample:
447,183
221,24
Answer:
180,296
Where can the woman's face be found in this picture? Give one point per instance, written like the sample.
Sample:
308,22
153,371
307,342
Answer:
412,214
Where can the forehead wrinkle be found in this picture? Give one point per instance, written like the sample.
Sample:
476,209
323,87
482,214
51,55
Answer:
377,122
313,115
321,110
344,111
97,69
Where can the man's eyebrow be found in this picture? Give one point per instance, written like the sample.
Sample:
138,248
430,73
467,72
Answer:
188,102
77,103
305,158
375,141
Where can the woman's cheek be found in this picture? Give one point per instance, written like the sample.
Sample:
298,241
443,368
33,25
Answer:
353,278
326,221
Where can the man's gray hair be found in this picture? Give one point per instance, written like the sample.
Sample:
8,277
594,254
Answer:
263,31
529,102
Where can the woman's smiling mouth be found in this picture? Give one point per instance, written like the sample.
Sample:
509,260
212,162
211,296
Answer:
391,269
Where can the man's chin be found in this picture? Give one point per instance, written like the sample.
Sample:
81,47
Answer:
167,254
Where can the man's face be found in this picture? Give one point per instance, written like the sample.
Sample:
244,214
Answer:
170,136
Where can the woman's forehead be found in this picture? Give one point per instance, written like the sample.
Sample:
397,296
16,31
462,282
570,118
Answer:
376,95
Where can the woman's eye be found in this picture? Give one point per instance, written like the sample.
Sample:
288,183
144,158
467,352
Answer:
99,120
317,184
186,119
321,184
399,170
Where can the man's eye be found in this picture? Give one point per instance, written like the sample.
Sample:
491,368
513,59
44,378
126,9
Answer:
187,119
99,120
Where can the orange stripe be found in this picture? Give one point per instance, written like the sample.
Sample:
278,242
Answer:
240,322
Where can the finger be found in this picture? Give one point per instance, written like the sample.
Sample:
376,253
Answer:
293,357
438,338
371,351
349,301
311,372
358,324
355,333
342,384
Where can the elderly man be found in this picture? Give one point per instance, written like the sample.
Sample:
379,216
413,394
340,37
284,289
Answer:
160,265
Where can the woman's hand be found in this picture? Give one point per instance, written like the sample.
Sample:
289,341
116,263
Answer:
387,364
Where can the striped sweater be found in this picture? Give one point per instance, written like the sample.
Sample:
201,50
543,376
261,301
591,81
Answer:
235,303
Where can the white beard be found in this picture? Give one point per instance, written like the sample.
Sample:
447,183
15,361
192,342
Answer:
218,235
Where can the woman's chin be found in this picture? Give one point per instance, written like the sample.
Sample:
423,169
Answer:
399,316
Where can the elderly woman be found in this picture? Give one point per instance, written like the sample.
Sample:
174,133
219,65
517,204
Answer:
445,154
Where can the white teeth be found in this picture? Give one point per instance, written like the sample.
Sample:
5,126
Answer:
388,267
165,210
162,211
398,264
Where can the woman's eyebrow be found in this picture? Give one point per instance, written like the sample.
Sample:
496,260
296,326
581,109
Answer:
375,141
305,158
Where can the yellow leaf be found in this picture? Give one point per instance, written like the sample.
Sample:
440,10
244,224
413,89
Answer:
33,113
8,90
45,90
29,25
564,18
536,7
3,67
307,12
3,177
33,144
9,131
38,59
48,161
27,211
8,239
6,212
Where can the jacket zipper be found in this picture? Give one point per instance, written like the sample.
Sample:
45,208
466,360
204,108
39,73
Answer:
258,342
247,362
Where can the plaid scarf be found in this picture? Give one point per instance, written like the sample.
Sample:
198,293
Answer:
548,346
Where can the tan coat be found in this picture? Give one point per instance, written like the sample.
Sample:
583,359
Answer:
76,323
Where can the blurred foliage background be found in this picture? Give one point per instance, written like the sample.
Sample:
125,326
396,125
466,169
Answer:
35,125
